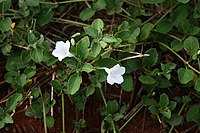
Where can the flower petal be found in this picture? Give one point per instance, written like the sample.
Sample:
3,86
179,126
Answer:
121,70
110,79
117,78
57,53
107,70
67,45
59,45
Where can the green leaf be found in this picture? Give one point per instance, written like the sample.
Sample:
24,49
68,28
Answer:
175,120
8,119
183,25
90,90
5,5
91,31
145,31
106,62
109,39
49,121
35,92
25,56
29,72
36,54
194,30
95,49
87,68
148,101
12,102
132,65
117,116
164,26
172,105
82,48
154,109
112,107
56,86
127,85
32,2
145,79
98,25
183,1
193,114
74,83
5,24
191,44
197,85
44,16
152,1
113,6
99,4
6,49
167,113
152,58
177,45
185,75
86,13
21,80
164,100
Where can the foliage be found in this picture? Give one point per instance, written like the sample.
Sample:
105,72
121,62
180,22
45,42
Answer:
165,32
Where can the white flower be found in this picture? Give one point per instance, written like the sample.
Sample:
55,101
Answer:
115,74
62,50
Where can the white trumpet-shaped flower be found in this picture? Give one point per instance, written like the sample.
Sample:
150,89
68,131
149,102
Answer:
115,74
62,50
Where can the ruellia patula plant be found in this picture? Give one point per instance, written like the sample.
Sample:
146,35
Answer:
58,50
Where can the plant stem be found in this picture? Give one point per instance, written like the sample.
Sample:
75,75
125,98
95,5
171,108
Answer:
104,100
138,109
60,20
185,62
62,2
172,127
103,97
44,111
63,113
165,14
53,78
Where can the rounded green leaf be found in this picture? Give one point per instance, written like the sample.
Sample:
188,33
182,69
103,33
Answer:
98,24
127,85
12,102
164,100
87,68
82,48
185,75
191,44
152,58
49,121
145,79
87,13
21,80
74,83
56,86
175,120
112,107
145,31
5,5
197,85
36,54
29,72
5,24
